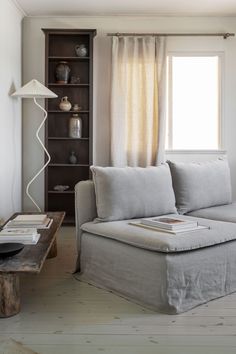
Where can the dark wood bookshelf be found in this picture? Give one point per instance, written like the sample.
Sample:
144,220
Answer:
61,192
60,46
67,85
68,58
65,138
67,165
70,112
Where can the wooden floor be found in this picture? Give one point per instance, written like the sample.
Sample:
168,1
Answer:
63,316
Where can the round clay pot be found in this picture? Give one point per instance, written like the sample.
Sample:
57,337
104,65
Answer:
65,105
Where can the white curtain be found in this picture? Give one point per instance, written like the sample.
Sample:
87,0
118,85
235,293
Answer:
137,100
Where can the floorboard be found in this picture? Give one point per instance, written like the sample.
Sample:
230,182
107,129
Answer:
62,315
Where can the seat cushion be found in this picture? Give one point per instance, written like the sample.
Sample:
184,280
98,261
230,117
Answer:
201,185
218,232
133,192
222,213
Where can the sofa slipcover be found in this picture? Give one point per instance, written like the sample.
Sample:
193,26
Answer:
166,282
168,274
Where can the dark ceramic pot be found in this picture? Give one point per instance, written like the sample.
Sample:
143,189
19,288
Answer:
62,73
73,158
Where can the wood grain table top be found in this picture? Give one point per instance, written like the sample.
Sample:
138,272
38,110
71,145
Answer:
32,257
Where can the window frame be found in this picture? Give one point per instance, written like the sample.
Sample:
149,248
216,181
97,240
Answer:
169,106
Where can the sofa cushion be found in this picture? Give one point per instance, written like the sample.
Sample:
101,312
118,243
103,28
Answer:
133,192
201,185
122,231
221,213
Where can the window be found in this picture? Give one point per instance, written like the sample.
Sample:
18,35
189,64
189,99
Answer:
194,102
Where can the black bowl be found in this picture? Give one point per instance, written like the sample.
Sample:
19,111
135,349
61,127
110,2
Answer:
10,249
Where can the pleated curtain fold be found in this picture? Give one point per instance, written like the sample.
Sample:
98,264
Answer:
138,100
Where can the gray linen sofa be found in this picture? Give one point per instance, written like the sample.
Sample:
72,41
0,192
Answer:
168,273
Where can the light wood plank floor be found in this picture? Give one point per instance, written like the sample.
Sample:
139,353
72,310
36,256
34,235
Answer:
63,316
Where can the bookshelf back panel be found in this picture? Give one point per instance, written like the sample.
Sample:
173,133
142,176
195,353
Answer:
77,69
62,202
63,45
75,94
58,124
70,177
60,152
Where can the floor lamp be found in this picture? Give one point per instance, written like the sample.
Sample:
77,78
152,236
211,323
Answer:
34,89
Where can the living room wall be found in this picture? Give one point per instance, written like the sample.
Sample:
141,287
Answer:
33,67
11,126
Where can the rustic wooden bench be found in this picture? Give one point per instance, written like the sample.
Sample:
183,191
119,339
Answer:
29,260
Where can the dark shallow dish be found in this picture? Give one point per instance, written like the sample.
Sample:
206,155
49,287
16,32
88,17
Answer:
10,249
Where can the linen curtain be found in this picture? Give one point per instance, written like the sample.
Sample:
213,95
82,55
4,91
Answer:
137,100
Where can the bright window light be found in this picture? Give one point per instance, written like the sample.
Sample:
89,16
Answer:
194,85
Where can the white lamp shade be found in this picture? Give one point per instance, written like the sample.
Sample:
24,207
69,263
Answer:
34,89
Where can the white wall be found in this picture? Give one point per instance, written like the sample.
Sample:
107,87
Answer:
33,66
10,117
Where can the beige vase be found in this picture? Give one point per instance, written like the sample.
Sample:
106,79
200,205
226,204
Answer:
65,105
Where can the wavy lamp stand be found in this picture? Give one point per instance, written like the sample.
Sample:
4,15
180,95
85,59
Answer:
34,89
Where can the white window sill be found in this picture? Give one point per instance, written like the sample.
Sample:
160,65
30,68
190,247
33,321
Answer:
195,152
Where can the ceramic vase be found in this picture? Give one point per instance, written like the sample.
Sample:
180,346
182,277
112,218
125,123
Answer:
62,73
73,158
76,107
81,50
65,105
75,126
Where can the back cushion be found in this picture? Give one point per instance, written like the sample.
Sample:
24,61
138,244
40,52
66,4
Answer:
201,185
133,192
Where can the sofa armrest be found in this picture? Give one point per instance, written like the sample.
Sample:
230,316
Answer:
85,202
85,207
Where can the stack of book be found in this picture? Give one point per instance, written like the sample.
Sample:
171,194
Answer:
36,221
23,228
173,225
27,236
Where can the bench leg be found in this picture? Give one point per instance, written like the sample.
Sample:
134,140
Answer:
53,250
9,294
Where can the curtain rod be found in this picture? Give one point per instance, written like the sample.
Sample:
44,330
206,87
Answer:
224,35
